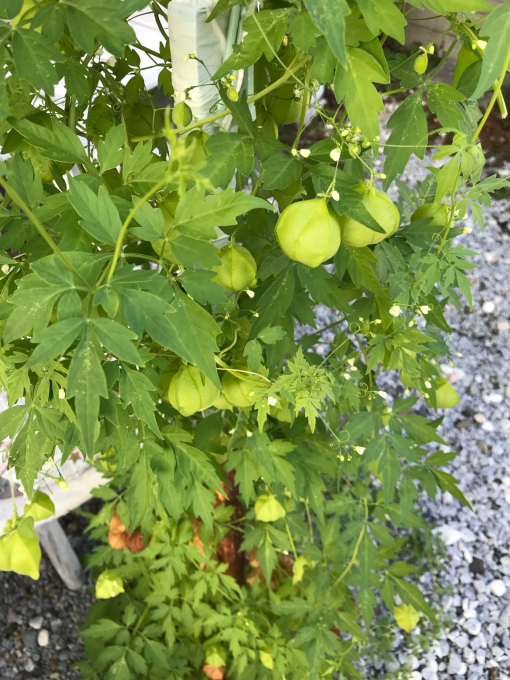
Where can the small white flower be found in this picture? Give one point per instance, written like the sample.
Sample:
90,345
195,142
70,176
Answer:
346,376
482,44
99,52
231,431
335,195
466,230
249,434
6,269
359,449
297,92
382,394
395,310
428,384
111,61
425,395
272,401
351,361
376,321
294,152
185,57
250,293
304,152
61,394
424,309
334,154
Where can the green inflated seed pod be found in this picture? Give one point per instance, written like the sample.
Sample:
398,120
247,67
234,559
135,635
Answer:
437,211
420,63
182,115
309,232
242,391
238,268
384,212
190,391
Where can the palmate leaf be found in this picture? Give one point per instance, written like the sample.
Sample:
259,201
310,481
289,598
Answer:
354,84
329,17
265,34
29,451
409,135
229,151
34,55
383,16
135,388
100,216
91,20
59,144
197,217
86,382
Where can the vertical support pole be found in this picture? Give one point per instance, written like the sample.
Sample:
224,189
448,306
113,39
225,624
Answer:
61,554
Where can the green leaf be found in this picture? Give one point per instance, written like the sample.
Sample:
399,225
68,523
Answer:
448,483
409,135
220,7
446,178
91,20
198,284
272,335
265,33
55,340
100,216
266,554
203,500
253,352
367,555
410,594
140,496
329,17
496,29
86,382
12,7
362,272
197,217
389,468
383,16
230,151
117,339
191,251
110,152
275,301
29,452
280,170
33,309
303,31
74,73
33,54
354,84
441,99
239,109
11,421
136,388
59,144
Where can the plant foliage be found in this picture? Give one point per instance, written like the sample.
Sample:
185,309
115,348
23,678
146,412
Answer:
271,532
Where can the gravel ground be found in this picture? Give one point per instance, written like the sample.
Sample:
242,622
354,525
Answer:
478,542
39,620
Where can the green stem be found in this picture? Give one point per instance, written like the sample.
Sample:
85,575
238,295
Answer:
295,66
497,90
356,550
127,222
259,182
21,204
